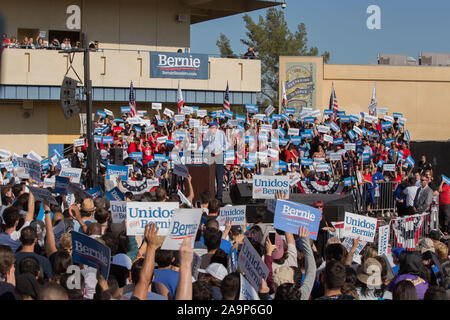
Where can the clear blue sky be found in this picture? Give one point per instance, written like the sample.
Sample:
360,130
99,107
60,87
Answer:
339,26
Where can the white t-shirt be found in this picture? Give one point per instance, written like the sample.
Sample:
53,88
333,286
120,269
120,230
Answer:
410,195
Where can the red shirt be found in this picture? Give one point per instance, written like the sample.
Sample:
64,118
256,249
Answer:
444,196
133,147
406,153
147,155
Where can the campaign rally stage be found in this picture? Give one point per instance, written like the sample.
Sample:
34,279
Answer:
289,216
356,225
139,214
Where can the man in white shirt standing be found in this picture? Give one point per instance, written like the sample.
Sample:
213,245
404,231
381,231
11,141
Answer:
215,142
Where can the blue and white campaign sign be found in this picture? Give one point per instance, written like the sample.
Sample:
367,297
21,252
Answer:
306,162
28,168
5,153
41,194
126,109
383,240
118,211
115,170
410,161
88,251
61,184
289,216
184,224
181,170
348,243
446,179
356,225
178,65
139,214
96,192
74,174
115,195
389,167
264,187
236,214
107,139
251,264
78,142
247,292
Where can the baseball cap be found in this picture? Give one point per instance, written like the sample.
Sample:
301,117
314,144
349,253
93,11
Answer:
279,251
282,275
217,270
122,260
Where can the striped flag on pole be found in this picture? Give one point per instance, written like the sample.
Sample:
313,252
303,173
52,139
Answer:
284,102
132,102
373,102
333,100
179,98
226,99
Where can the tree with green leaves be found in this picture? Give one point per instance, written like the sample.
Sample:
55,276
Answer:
271,38
225,47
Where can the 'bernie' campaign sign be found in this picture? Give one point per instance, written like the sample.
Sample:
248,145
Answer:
264,187
356,225
289,216
236,214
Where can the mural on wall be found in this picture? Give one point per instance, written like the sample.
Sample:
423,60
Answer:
301,85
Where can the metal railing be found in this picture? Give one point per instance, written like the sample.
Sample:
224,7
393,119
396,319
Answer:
380,198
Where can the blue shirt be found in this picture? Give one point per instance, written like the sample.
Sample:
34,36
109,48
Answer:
225,245
6,240
169,278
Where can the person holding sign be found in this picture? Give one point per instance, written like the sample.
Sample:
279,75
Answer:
325,227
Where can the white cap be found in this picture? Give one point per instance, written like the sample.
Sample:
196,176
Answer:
217,270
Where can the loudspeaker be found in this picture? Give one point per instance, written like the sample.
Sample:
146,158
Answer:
69,103
117,156
241,193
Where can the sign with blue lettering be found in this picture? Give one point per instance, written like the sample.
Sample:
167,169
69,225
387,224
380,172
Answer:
338,141
88,251
74,174
115,195
125,109
118,211
383,240
264,187
240,118
178,65
61,184
139,214
289,216
306,162
115,170
136,155
96,192
276,117
251,264
27,168
356,225
184,224
181,170
108,139
236,214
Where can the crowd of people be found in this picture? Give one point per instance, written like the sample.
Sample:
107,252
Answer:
36,262
29,42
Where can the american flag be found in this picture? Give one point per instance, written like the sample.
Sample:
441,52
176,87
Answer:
333,101
179,98
284,101
131,101
373,102
226,99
